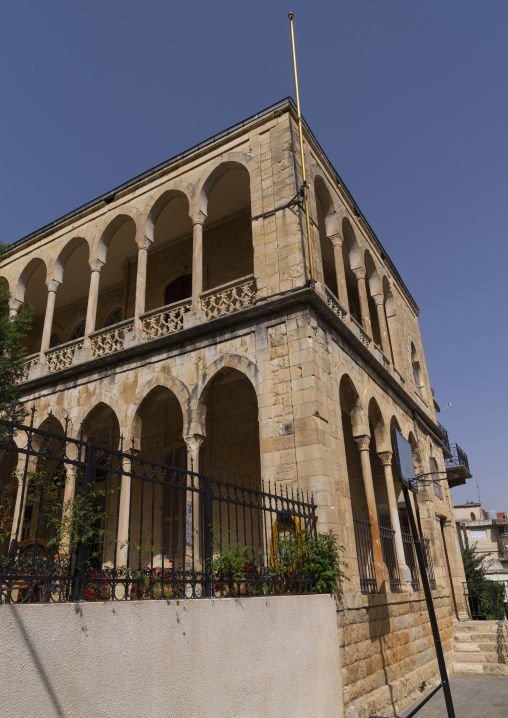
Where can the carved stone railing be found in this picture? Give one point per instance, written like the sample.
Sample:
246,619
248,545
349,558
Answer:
335,305
163,321
360,332
30,361
229,298
380,356
62,356
111,339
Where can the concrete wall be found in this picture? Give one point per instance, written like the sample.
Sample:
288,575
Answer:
208,658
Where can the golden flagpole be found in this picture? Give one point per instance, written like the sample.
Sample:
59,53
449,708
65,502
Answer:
300,131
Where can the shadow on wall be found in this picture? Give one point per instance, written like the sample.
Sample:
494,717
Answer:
59,712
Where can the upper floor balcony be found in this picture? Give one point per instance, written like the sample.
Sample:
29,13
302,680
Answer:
457,466
160,257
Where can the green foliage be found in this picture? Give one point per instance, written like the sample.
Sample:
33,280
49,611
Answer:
232,562
490,597
12,352
317,556
472,561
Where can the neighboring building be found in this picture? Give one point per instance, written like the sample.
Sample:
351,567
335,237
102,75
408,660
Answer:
177,309
488,531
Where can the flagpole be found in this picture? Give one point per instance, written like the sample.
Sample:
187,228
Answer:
300,131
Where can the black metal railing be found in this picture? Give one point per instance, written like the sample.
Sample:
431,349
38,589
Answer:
387,535
429,565
412,560
365,555
445,440
84,521
487,600
459,458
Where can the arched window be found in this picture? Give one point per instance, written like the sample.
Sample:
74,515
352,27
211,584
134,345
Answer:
114,317
78,331
179,289
417,375
435,478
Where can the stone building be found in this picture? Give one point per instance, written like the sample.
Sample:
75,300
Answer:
178,309
488,530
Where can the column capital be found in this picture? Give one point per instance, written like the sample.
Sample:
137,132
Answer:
363,442
96,265
336,240
198,217
386,457
194,441
14,304
53,285
143,243
378,299
359,272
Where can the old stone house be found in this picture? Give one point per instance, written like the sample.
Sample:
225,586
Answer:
178,309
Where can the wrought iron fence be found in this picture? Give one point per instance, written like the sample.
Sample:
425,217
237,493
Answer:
365,555
84,521
387,535
487,600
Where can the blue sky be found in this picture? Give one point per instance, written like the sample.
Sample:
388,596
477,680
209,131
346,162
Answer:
408,100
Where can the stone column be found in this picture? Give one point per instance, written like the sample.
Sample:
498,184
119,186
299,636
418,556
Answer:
53,285
139,308
14,306
198,220
192,513
383,327
24,468
382,577
122,537
340,271
364,302
405,573
196,315
93,296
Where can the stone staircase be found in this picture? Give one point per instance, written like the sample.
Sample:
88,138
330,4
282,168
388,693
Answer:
481,647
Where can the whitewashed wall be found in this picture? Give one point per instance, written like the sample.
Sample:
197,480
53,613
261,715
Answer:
228,658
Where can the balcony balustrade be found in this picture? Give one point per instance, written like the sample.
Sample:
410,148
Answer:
446,440
62,356
217,302
164,321
229,298
111,339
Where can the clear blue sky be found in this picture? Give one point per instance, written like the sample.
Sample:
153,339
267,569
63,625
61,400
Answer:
409,100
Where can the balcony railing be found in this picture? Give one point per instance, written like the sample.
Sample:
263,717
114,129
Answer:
164,321
360,332
111,339
459,458
62,356
335,305
446,440
229,298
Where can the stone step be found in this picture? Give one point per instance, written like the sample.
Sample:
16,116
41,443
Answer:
477,647
482,627
466,638
478,657
489,669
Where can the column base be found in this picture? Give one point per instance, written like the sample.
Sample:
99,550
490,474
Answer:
36,371
193,318
132,338
382,577
82,355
